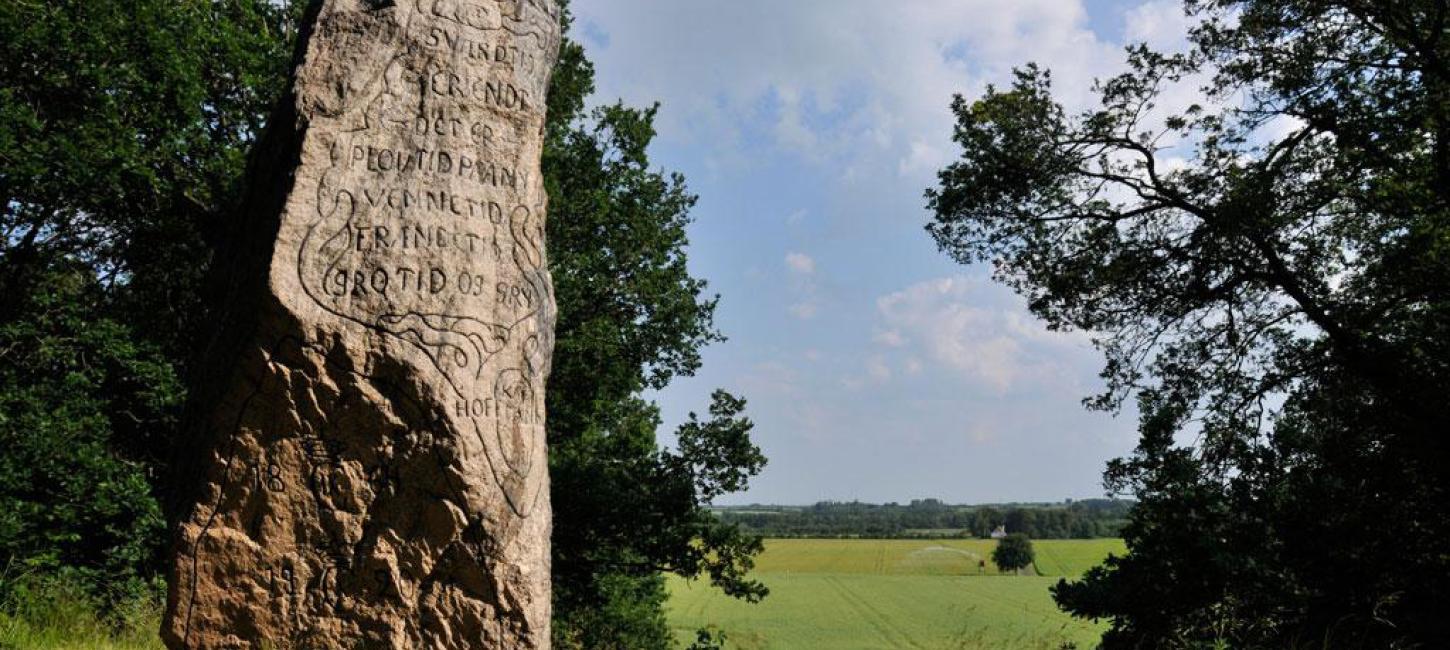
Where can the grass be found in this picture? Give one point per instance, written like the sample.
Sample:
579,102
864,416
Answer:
934,557
856,593
55,617
1073,557
834,593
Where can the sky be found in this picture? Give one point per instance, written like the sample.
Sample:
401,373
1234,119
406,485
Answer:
875,368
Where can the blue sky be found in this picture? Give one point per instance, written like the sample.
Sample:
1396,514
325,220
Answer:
875,368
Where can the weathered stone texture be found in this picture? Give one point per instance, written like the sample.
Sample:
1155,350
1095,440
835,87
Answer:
369,467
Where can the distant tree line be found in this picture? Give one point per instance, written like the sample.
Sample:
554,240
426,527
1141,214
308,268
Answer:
933,518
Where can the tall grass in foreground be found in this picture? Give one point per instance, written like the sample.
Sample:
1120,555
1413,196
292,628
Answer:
54,614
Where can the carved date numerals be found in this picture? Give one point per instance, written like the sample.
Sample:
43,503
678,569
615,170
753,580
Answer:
266,476
281,581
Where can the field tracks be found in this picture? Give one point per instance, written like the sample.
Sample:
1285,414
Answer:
893,634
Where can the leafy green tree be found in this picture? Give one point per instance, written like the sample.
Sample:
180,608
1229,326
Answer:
631,319
1013,552
123,133
123,127
709,639
985,520
1022,520
1277,306
70,385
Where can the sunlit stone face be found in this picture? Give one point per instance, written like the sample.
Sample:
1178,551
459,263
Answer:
378,476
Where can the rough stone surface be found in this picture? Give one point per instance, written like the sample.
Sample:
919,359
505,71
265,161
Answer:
368,467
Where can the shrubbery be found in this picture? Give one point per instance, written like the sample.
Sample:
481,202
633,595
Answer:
76,391
58,612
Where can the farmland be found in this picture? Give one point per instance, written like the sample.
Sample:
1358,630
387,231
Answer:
856,593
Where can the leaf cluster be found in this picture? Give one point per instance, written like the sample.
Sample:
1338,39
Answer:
82,404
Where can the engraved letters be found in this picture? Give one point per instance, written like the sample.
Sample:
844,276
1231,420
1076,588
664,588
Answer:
374,473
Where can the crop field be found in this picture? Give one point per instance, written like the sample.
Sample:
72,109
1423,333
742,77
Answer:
1073,557
855,593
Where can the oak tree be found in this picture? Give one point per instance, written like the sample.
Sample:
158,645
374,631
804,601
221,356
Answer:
1276,300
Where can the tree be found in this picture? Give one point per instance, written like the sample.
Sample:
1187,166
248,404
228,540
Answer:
631,319
1276,305
123,132
123,126
1023,520
71,384
1013,552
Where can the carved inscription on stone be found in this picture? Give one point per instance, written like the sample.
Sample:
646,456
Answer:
377,473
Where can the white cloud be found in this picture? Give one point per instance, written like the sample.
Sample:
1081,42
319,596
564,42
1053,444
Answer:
862,87
877,369
921,157
803,285
974,329
1162,24
890,338
800,262
804,310
816,124
1280,127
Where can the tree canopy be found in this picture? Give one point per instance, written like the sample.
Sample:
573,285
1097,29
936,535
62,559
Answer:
123,128
1276,304
1013,552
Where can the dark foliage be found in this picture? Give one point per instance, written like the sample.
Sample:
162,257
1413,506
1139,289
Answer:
122,133
1277,307
71,385
1013,552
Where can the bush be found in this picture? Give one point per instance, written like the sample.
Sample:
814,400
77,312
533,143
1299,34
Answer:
76,391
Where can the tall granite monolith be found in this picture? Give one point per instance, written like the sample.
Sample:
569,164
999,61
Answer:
366,463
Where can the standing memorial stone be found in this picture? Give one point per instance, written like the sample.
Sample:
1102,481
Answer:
368,468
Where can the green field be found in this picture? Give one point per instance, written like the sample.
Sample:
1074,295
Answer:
1072,557
856,593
